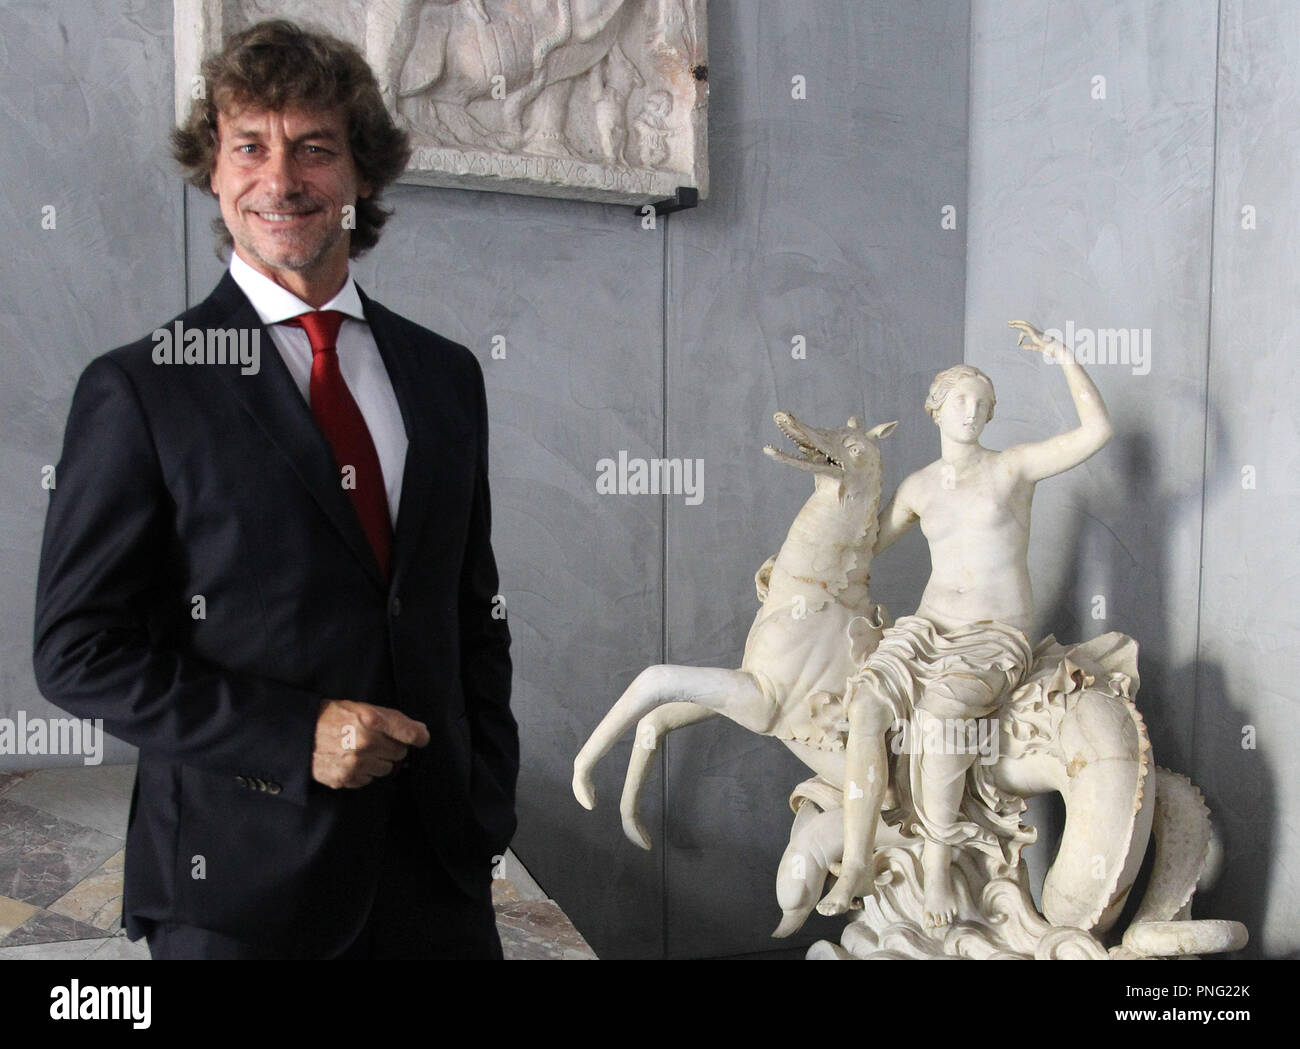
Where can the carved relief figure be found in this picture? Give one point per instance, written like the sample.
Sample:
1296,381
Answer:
652,129
526,55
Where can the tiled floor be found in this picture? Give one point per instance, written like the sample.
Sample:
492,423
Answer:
61,839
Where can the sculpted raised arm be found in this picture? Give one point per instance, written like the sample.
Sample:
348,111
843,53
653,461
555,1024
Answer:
1039,459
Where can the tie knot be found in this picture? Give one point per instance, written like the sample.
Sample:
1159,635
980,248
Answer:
321,326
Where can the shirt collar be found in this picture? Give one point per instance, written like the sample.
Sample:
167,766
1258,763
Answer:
275,304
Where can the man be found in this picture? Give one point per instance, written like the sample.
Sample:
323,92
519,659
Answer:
966,649
276,579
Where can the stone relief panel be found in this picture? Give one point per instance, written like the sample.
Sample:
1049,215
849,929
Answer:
602,100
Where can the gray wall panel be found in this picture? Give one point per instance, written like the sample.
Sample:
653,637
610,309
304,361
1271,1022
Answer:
1114,213
1249,657
574,290
84,110
824,222
1098,211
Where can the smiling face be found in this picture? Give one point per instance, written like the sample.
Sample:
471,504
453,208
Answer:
965,410
283,178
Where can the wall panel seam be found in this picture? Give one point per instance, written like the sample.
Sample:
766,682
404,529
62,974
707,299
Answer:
663,573
1192,770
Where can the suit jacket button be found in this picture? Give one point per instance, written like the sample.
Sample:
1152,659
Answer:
242,780
273,787
396,607
259,784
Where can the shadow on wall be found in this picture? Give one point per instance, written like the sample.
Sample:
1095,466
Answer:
561,850
1133,582
741,844
1170,700
1247,833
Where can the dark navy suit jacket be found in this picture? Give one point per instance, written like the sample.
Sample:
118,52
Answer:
180,481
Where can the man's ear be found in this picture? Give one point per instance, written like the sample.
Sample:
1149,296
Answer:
364,190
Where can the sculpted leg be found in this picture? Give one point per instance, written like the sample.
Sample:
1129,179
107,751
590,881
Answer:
943,781
649,731
730,692
940,904
865,778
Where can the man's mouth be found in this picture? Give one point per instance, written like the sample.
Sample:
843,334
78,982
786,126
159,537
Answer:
284,216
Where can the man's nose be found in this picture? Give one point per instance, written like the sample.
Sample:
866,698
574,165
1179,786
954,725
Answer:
281,173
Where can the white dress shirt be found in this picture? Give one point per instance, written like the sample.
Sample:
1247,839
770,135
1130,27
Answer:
359,361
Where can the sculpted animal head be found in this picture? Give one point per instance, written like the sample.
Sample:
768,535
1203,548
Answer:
845,454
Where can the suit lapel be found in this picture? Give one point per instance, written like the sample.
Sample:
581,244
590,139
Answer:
421,416
278,408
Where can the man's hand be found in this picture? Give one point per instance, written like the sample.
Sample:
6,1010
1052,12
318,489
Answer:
359,742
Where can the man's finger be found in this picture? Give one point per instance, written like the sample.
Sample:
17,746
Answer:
397,726
374,768
331,772
350,772
356,781
384,747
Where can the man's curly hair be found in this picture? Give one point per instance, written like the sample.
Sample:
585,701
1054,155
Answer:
274,65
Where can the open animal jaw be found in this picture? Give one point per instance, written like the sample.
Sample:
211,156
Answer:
816,453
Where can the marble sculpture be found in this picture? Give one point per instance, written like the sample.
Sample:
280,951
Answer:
926,735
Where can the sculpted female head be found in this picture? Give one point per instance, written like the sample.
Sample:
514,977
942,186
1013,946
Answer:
950,377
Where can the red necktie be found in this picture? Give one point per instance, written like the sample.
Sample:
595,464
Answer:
343,425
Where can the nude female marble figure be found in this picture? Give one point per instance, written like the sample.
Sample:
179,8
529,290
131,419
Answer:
968,643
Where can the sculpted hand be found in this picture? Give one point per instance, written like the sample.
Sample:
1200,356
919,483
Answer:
1034,340
359,742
